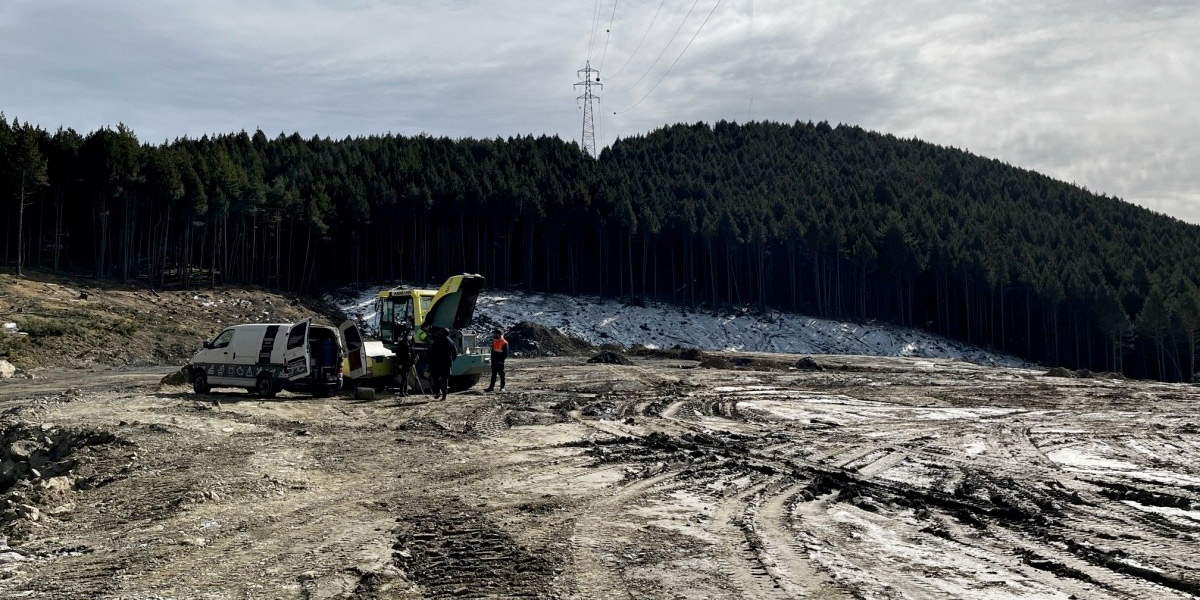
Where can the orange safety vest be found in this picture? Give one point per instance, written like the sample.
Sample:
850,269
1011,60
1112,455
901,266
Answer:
499,344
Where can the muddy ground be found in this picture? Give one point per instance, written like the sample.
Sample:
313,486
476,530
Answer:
838,477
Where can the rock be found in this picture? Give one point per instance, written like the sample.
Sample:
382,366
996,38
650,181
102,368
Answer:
22,449
7,370
364,393
177,378
11,557
608,357
61,509
27,511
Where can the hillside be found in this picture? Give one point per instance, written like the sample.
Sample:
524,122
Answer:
655,325
835,222
70,322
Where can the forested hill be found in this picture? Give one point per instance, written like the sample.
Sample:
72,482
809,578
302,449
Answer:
831,221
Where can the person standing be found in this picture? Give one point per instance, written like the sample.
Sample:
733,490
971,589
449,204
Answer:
404,358
499,353
441,357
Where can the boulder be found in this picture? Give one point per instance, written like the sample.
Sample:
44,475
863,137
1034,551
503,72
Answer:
7,370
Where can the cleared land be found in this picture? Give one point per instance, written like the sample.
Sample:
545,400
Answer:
869,478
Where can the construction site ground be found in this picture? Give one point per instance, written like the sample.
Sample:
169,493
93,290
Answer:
775,477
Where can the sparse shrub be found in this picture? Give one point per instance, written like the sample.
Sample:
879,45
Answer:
125,328
40,328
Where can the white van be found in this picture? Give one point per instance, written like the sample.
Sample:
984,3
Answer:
269,357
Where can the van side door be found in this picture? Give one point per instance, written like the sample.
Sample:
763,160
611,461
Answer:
216,357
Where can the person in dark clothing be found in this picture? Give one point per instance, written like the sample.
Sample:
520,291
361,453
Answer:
441,357
404,359
499,353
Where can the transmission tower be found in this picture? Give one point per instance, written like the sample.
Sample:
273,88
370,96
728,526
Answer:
590,78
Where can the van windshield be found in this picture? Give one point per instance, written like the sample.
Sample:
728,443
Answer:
223,340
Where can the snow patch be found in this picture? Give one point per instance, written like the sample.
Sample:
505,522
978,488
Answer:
660,325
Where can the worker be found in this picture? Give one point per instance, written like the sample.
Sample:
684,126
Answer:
499,353
404,358
441,357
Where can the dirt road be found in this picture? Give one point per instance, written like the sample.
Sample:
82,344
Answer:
872,478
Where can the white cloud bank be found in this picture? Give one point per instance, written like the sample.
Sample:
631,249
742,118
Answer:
1097,93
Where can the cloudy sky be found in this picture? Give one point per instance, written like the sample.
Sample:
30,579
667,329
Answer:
1102,93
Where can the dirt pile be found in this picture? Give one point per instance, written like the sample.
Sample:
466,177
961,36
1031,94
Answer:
808,364
716,361
608,357
39,467
527,339
676,353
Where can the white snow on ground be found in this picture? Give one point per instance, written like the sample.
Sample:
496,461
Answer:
658,325
1094,459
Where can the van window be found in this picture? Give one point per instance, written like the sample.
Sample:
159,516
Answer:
297,334
222,340
352,338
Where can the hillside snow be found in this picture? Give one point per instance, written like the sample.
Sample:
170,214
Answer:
658,325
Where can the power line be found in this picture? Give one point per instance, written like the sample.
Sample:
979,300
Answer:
664,50
595,22
609,34
685,48
644,34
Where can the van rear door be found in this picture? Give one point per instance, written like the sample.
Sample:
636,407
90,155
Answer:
295,352
356,359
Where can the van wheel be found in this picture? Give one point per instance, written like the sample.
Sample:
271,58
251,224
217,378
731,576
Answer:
200,383
266,386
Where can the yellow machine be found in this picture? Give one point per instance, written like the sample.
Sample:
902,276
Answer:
449,307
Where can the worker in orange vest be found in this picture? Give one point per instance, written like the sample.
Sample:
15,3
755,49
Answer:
499,353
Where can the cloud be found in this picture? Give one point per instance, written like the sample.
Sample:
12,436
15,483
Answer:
1100,94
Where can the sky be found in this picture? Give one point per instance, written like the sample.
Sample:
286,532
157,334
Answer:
1104,94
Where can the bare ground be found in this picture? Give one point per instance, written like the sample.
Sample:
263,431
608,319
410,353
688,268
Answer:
872,478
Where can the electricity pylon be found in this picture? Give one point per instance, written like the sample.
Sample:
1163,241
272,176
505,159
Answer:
590,78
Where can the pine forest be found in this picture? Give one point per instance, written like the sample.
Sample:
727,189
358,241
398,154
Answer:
829,221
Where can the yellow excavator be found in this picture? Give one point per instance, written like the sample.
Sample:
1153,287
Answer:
421,311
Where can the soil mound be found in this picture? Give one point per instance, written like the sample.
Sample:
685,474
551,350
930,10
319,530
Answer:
532,339
609,357
808,364
1061,372
716,362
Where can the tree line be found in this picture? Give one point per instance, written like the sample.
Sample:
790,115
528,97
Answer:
836,222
